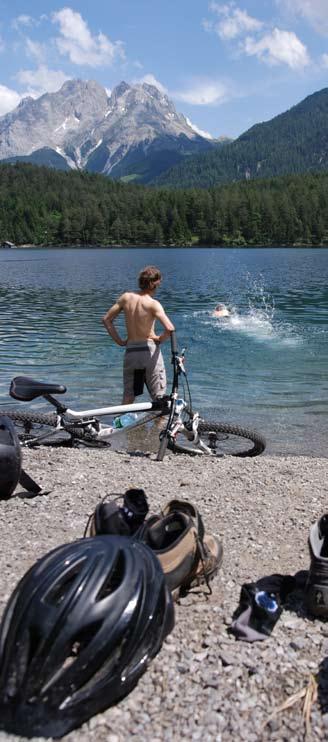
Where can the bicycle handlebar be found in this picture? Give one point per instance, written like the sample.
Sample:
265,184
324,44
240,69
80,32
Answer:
174,345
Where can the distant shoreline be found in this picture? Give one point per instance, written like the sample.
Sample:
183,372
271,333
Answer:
164,247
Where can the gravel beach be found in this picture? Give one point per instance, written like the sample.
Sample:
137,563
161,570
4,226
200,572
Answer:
204,684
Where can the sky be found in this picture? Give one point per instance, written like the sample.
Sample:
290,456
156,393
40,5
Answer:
225,65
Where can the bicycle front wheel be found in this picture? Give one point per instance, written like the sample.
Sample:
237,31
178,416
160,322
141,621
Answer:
222,439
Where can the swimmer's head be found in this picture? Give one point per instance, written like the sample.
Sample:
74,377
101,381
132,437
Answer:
221,311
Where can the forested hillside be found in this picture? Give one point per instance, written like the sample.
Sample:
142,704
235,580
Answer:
293,142
45,206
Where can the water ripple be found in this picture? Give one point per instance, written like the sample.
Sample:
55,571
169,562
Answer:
265,366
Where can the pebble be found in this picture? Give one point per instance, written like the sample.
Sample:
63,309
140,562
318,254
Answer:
203,684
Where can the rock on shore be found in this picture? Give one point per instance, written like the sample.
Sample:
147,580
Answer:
203,685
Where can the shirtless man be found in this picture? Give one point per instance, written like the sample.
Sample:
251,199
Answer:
143,360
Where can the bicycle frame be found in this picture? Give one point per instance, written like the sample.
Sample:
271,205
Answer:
163,405
29,389
185,431
107,431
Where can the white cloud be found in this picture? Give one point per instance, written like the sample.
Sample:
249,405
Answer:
273,46
324,60
23,20
80,45
201,133
278,47
42,80
9,99
233,21
35,49
202,93
151,80
314,11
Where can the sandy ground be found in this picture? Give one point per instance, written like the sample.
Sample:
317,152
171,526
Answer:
204,684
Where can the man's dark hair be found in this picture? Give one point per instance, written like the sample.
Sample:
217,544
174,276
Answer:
148,276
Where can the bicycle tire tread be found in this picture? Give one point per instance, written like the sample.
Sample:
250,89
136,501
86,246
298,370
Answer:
230,428
205,426
41,418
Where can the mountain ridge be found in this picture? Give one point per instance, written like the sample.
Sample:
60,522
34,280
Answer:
293,142
137,126
136,134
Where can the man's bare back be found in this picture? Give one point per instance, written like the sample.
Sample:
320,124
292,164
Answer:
140,311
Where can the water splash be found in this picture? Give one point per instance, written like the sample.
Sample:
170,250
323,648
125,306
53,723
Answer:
258,318
254,322
262,324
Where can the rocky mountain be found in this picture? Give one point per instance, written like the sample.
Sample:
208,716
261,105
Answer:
134,134
293,142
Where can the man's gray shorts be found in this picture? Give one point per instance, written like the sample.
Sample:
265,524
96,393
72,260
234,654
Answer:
143,362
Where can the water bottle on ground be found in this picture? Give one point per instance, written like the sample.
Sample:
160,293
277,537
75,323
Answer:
266,611
124,420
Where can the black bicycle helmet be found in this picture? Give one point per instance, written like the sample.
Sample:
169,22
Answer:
78,631
10,457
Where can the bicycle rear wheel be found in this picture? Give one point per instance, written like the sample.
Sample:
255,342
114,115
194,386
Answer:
38,428
222,439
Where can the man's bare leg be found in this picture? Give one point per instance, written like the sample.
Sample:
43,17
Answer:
127,399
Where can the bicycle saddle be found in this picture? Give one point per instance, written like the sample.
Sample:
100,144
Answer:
26,389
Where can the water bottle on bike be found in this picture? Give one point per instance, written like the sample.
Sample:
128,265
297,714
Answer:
179,405
124,420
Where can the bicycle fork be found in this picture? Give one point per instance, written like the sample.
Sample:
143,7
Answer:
190,430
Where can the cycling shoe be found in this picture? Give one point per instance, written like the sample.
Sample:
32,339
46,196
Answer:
316,589
189,557
110,518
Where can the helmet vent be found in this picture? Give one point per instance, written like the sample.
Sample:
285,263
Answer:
95,682
81,642
58,592
34,643
29,643
113,581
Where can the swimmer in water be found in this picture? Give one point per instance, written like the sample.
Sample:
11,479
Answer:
221,311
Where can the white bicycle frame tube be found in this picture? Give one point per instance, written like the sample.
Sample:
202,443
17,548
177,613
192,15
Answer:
114,410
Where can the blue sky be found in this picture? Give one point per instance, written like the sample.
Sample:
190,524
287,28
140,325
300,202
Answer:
225,65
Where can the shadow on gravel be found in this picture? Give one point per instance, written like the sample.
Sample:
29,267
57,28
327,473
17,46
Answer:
134,454
28,495
294,600
289,589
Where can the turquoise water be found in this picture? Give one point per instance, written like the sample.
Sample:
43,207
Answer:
264,367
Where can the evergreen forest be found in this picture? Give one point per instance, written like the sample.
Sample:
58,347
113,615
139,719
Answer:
293,142
43,206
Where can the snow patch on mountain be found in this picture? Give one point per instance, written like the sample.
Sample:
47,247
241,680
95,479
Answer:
195,128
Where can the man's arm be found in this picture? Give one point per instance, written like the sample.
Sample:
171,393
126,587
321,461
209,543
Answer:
164,320
108,318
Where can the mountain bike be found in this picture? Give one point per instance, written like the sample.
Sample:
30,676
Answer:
185,431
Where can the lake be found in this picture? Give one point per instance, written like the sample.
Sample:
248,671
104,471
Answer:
263,367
